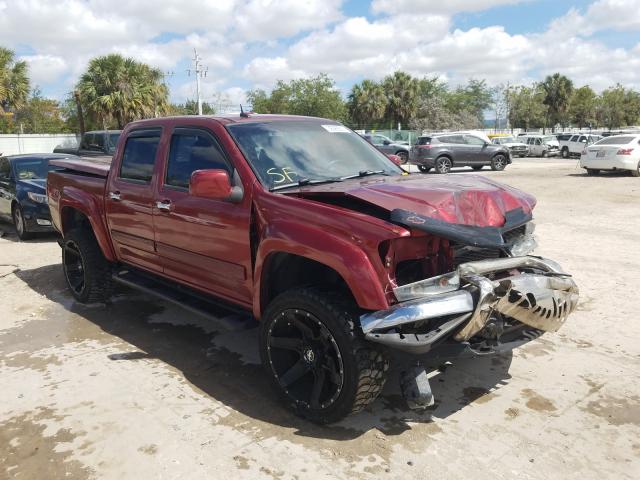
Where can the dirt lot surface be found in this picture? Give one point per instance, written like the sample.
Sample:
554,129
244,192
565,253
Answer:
142,389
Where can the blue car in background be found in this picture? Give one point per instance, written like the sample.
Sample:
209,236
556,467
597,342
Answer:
23,192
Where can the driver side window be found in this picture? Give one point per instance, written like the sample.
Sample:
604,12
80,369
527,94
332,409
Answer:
193,150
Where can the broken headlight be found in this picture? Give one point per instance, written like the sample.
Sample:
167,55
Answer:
524,244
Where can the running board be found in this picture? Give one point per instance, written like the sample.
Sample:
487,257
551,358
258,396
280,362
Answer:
229,317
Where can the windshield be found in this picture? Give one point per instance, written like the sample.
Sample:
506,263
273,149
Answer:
33,168
288,152
502,140
113,141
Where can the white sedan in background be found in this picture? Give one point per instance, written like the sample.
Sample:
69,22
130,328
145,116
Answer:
619,152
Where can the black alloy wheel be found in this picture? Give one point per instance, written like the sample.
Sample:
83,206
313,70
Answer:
305,359
443,165
74,267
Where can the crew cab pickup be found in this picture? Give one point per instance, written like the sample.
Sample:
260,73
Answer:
575,144
94,144
339,253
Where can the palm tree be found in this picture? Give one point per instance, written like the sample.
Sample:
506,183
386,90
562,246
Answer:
401,90
14,81
367,102
120,89
558,90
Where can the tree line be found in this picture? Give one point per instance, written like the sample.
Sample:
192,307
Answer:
115,90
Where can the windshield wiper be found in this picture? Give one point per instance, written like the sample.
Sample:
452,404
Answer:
305,181
365,173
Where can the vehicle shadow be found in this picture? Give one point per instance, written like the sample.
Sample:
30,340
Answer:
8,232
610,174
225,364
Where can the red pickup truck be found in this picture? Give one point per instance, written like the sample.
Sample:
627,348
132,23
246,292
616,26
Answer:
338,252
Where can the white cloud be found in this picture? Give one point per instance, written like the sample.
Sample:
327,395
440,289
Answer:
271,19
264,72
44,69
622,15
434,7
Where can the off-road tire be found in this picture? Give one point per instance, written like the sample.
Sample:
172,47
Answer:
365,364
592,172
443,165
498,162
98,284
20,224
424,168
636,172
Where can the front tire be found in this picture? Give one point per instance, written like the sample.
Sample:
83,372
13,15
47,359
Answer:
20,224
443,165
404,157
316,357
565,153
592,172
87,272
424,168
498,162
636,172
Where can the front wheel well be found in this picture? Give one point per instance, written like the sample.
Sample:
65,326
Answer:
284,271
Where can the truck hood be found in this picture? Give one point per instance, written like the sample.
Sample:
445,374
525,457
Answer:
461,199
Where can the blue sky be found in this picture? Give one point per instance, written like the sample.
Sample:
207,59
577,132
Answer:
253,43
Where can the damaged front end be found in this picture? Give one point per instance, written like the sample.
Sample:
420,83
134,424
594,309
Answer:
498,300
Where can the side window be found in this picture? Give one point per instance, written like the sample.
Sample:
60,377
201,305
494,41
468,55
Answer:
583,139
190,151
5,168
87,139
377,139
98,142
538,141
471,140
139,156
574,138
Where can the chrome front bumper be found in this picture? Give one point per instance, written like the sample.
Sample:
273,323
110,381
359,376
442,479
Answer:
533,290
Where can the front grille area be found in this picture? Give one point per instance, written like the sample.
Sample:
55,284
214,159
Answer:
513,235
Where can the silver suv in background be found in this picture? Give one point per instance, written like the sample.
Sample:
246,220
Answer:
446,150
388,146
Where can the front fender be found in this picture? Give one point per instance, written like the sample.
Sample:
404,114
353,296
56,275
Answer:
92,208
347,259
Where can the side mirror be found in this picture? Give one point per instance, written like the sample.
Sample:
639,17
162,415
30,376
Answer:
386,142
213,184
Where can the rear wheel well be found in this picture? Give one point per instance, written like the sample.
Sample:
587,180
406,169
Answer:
74,219
284,271
446,155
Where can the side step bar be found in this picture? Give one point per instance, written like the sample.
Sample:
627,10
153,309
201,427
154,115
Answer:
229,317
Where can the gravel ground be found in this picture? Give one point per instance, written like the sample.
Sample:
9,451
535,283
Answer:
143,389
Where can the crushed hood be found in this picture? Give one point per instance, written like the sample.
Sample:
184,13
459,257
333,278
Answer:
462,199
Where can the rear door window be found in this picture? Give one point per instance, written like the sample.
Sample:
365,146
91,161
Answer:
193,150
139,156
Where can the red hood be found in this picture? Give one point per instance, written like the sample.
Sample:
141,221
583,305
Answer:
460,198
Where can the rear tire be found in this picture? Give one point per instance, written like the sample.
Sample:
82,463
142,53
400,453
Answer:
565,152
592,172
443,165
316,357
87,272
424,168
20,224
404,157
636,172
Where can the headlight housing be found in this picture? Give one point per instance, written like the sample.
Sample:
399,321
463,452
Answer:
526,243
37,197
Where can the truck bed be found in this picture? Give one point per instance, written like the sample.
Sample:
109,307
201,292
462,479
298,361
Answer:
97,166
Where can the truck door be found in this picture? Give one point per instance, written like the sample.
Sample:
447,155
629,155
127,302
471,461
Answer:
201,242
129,200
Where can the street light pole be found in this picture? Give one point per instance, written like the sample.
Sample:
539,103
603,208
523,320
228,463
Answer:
199,71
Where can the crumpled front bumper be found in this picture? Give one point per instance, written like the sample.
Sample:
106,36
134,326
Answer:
458,305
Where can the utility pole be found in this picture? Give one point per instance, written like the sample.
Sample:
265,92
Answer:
200,71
